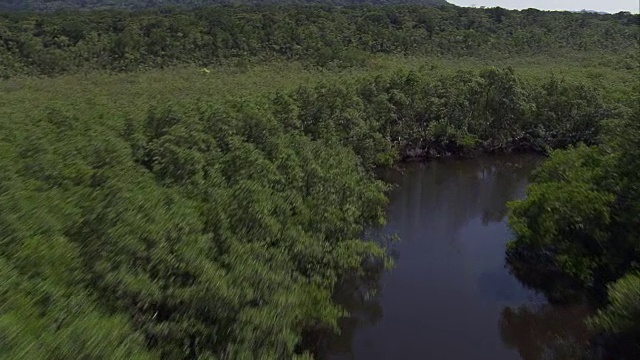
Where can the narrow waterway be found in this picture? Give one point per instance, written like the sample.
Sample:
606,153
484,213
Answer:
450,295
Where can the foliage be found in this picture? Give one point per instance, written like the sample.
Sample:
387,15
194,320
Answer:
331,37
215,231
220,224
489,110
581,212
48,5
221,229
622,314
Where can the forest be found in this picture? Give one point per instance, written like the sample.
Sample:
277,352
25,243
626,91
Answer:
580,224
119,40
54,5
150,209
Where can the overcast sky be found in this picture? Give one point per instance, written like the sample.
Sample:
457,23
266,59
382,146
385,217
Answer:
611,6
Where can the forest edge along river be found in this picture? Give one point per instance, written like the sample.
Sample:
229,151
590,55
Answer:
450,295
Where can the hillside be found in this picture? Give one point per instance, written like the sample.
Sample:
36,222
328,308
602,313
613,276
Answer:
60,43
48,5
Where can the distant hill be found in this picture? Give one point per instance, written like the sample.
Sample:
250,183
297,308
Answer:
52,5
593,12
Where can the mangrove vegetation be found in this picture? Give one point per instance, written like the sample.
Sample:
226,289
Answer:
141,219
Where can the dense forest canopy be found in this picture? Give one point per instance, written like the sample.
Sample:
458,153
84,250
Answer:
220,230
53,44
51,5
219,227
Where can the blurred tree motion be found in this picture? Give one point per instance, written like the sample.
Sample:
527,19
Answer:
220,227
581,212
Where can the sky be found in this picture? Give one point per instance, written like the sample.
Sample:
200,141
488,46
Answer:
611,6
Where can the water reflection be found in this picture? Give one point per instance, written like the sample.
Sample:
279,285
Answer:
450,295
537,271
546,331
360,296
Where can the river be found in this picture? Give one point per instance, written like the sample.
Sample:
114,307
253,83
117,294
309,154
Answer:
450,295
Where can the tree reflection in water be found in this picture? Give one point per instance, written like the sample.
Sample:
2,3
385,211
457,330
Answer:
450,216
556,330
547,332
360,297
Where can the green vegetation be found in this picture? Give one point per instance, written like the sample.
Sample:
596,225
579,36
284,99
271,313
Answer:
221,228
215,231
580,221
180,213
51,5
118,40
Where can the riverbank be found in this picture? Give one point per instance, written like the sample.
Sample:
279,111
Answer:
449,285
174,207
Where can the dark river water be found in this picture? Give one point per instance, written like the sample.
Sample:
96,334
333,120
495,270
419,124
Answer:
450,295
